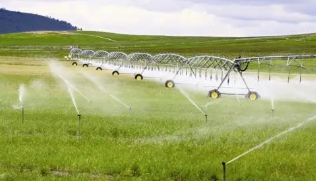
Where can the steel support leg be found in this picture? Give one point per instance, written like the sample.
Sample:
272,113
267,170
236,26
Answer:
244,80
226,76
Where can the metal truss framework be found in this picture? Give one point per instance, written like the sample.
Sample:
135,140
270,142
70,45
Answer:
174,63
290,62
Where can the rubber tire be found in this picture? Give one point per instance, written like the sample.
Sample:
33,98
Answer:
99,68
211,94
115,73
253,96
137,76
168,83
74,64
85,65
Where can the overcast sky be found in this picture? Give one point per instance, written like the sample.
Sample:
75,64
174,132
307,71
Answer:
179,17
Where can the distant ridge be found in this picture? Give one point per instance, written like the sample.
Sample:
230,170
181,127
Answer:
13,22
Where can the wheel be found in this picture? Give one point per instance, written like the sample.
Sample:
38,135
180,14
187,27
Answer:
138,77
74,63
169,84
252,96
85,65
99,68
115,73
215,94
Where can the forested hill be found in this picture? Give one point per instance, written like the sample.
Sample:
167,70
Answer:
12,22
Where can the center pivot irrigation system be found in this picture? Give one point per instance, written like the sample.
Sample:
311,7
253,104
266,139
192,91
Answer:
208,67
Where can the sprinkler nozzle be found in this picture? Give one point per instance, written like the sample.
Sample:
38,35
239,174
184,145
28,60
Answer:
79,115
130,108
224,163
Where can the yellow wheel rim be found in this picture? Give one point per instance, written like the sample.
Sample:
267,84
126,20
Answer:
253,96
138,78
214,95
170,84
116,74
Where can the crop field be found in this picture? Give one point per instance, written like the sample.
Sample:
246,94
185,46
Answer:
140,130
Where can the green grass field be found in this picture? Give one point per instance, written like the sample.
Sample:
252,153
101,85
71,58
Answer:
53,44
163,137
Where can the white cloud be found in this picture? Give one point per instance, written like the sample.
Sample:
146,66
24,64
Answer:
174,17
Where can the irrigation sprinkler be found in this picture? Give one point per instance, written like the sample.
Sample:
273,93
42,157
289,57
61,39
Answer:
74,56
272,105
238,66
224,171
22,114
173,64
206,67
205,118
79,122
114,61
85,57
98,59
138,63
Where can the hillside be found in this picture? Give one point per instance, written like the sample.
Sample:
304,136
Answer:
12,22
56,44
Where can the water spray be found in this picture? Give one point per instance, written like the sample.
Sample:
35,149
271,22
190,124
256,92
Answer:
265,142
21,99
210,103
55,71
102,89
272,139
73,99
193,103
118,100
74,88
238,99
